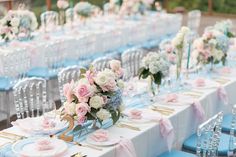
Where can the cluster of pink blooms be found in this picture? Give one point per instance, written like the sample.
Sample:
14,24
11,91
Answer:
88,92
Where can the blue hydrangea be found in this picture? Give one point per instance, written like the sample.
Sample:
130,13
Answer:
223,42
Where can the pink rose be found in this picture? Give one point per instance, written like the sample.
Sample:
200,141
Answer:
90,76
83,92
109,86
81,120
208,35
62,4
68,91
119,73
105,99
172,58
115,65
169,48
82,109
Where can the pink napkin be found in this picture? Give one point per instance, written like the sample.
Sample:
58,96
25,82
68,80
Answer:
48,124
100,135
135,114
44,144
171,98
125,148
167,131
222,95
200,82
225,70
199,111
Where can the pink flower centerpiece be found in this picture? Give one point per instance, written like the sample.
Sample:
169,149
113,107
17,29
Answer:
95,96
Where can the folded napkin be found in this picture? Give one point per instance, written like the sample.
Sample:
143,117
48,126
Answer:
199,111
100,135
167,131
200,82
44,144
225,70
125,148
222,95
171,98
47,123
135,114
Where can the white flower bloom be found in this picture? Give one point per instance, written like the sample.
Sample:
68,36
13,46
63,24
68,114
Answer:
120,84
15,22
69,108
103,114
14,30
96,102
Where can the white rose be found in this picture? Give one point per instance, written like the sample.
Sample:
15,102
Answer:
185,29
103,114
69,108
120,84
104,77
153,68
15,22
96,102
218,55
14,29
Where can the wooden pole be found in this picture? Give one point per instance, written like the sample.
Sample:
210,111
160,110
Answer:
49,4
9,5
210,6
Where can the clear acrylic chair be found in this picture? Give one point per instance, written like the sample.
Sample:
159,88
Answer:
206,140
194,19
15,65
101,63
49,19
131,61
30,97
66,75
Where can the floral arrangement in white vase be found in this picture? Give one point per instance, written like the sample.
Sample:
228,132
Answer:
84,9
132,7
211,48
155,67
95,96
18,23
178,45
225,27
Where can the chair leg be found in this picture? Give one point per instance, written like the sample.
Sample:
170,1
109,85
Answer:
8,108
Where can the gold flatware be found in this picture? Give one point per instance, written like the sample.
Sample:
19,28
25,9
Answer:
11,134
8,138
87,145
164,108
192,94
166,113
122,125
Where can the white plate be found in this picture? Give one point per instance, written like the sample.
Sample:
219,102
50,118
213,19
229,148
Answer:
27,147
113,140
34,125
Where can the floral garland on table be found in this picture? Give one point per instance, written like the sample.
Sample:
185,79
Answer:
95,96
225,27
155,66
178,45
211,48
17,23
84,9
132,7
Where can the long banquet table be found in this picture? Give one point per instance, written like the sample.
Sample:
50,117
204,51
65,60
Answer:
82,43
148,142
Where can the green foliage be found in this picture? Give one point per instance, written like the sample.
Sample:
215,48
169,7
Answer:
115,115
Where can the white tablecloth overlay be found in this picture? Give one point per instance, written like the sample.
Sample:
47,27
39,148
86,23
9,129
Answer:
148,142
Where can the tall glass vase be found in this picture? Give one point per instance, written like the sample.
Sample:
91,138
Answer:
154,89
62,18
179,67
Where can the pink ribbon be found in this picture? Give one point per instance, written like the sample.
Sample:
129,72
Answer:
199,111
125,148
222,95
167,131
